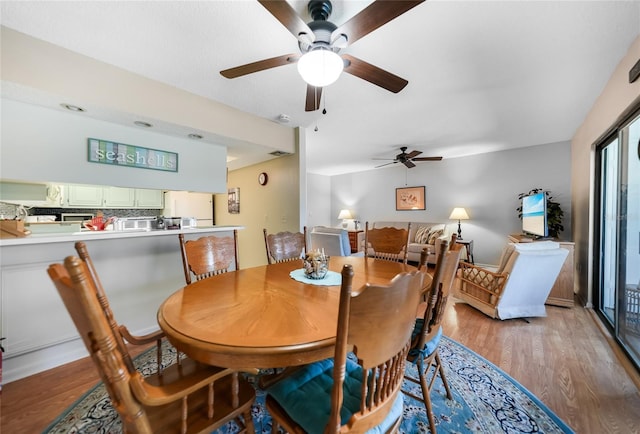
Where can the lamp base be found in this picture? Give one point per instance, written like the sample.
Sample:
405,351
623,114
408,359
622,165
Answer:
459,231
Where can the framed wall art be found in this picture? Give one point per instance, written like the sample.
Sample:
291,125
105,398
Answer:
410,199
234,200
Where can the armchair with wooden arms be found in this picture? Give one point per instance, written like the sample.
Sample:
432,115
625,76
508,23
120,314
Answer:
354,394
120,332
519,286
285,246
387,243
208,256
178,400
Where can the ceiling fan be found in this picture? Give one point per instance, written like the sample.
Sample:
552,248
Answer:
323,40
407,159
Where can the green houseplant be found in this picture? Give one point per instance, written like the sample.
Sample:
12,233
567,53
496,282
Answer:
554,212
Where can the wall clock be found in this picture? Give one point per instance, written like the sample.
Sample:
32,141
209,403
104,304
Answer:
263,178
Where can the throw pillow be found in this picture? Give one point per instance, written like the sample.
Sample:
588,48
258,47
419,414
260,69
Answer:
434,235
422,235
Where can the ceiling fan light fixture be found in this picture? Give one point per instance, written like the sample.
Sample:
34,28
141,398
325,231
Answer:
320,67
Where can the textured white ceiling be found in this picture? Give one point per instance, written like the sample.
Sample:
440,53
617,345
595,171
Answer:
483,76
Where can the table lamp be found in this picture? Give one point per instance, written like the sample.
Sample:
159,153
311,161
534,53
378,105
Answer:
459,214
345,215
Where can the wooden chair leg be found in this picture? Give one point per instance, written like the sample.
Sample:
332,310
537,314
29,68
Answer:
426,394
443,376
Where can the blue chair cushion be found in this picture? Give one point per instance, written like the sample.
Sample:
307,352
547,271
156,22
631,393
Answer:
306,396
429,347
346,245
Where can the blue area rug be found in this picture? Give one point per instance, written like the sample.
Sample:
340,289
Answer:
485,400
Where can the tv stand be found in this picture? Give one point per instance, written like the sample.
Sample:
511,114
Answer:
562,292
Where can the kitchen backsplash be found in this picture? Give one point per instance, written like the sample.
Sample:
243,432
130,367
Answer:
9,211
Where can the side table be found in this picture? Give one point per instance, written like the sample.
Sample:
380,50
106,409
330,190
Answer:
353,239
468,244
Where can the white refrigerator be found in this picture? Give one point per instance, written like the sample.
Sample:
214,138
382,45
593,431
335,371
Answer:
189,204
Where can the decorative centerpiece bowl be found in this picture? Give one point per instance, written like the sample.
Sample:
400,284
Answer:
315,265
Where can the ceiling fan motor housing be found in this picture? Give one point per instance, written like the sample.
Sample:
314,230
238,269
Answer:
320,9
322,29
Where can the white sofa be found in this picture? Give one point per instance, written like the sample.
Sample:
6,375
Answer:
333,241
519,286
415,245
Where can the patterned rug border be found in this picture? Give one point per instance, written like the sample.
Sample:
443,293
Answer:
556,419
493,409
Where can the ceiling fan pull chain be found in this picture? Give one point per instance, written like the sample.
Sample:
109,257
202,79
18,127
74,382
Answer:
324,103
315,92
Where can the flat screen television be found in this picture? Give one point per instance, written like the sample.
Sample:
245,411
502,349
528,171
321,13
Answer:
534,215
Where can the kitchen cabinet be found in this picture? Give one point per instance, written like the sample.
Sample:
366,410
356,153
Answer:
87,196
118,197
96,196
146,198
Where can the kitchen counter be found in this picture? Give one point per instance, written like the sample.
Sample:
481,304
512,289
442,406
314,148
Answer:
103,235
138,270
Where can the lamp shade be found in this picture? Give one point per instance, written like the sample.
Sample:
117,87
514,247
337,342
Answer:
345,214
459,214
320,67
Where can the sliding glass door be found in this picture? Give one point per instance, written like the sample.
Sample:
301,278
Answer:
617,265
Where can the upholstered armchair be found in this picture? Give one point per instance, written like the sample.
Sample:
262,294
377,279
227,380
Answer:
334,241
519,286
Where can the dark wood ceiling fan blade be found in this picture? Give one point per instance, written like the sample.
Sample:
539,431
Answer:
288,17
409,164
313,98
260,65
370,18
427,159
373,74
413,154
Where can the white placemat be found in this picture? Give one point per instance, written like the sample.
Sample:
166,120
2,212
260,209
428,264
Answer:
331,279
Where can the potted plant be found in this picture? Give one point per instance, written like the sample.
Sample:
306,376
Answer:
554,212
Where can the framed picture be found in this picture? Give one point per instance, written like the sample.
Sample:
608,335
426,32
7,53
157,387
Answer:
410,199
234,200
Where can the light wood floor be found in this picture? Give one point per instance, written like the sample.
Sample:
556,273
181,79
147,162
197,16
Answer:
564,359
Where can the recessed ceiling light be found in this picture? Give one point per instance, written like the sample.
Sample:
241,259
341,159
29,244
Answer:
194,136
143,124
73,108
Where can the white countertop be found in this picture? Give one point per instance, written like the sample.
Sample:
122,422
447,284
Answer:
102,235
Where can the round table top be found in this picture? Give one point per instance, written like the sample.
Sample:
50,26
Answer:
261,317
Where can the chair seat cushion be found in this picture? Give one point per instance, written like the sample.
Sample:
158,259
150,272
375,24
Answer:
429,347
306,396
417,248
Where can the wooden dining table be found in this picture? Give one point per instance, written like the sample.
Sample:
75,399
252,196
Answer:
261,317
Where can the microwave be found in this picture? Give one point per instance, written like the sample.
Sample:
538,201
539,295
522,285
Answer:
75,217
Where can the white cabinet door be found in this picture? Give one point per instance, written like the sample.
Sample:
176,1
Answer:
117,197
84,196
151,199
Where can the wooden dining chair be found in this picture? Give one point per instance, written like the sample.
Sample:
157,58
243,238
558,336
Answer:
180,400
427,332
361,391
387,243
285,246
120,332
208,256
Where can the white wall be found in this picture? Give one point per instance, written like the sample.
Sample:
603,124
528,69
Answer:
486,185
617,97
46,145
319,211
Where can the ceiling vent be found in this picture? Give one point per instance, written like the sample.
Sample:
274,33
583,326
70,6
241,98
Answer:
279,153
